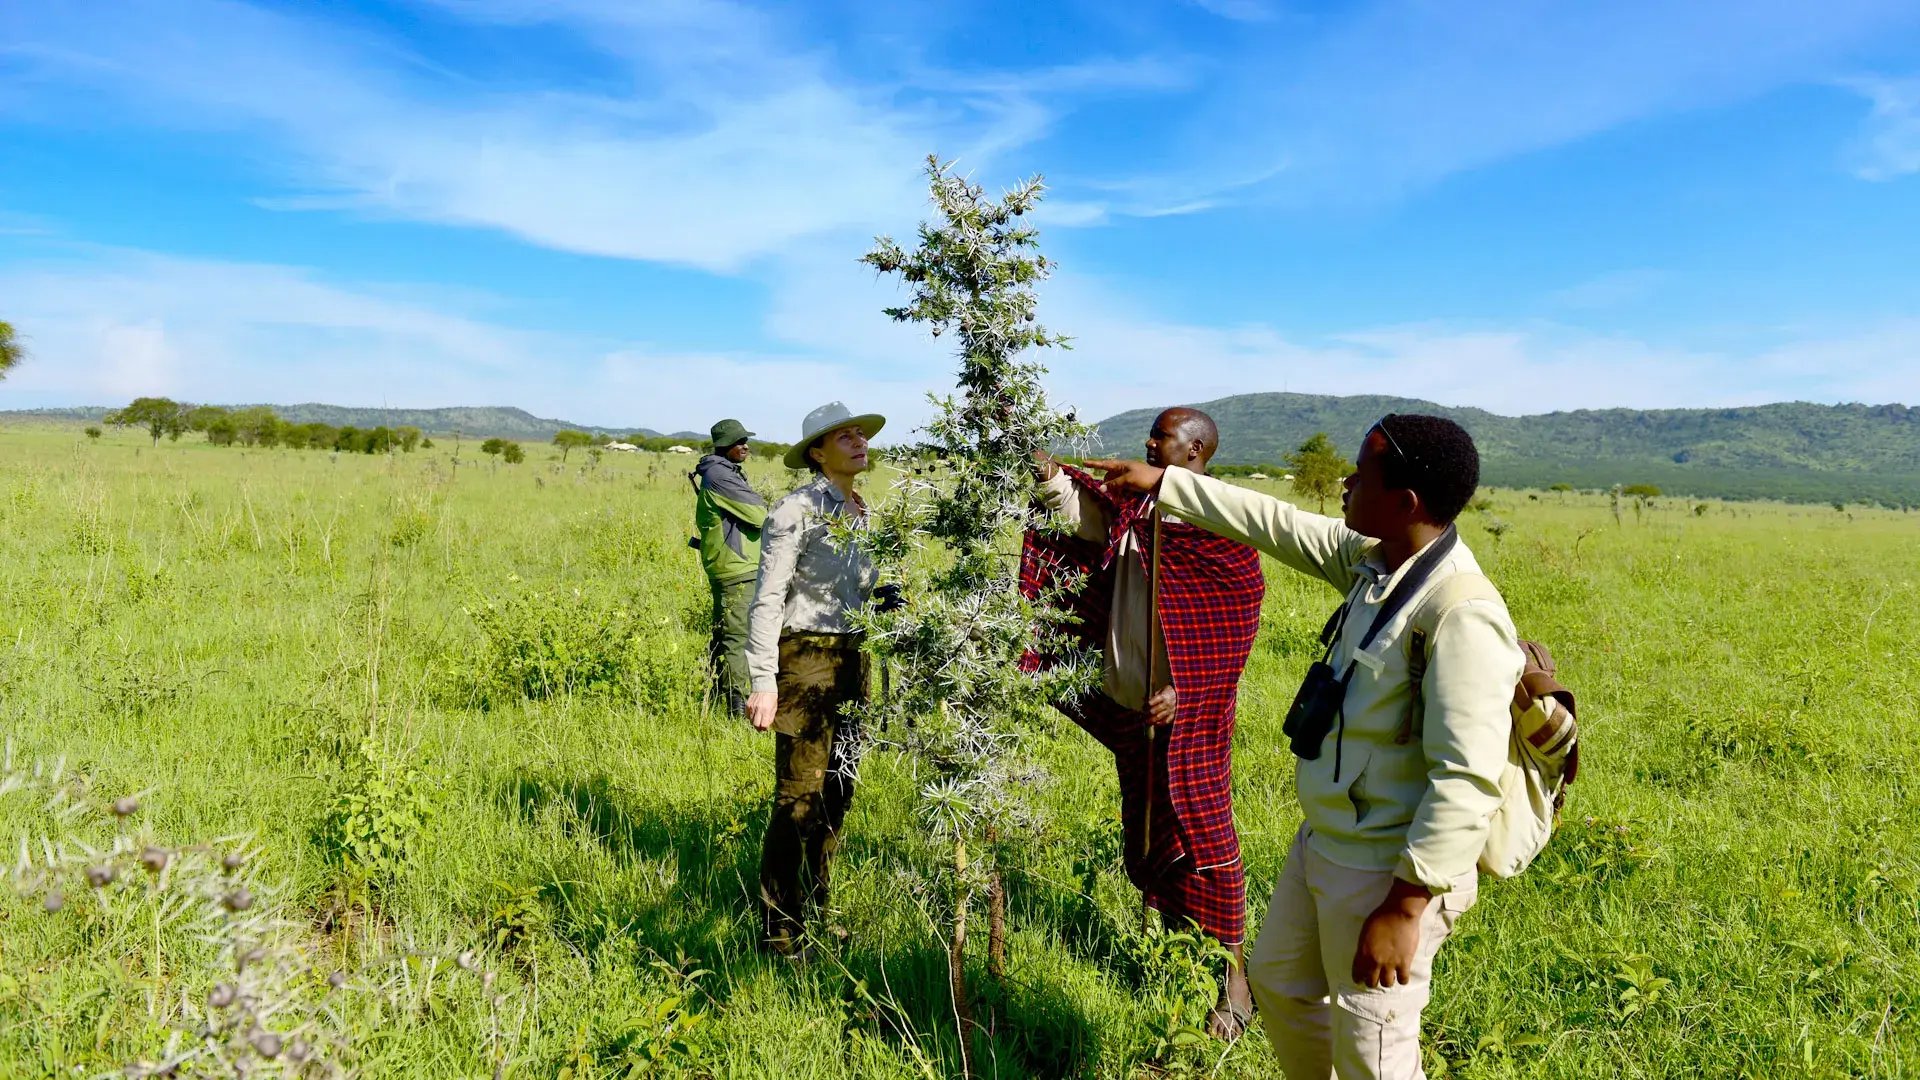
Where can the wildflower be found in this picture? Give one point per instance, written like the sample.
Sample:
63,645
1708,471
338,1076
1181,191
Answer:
222,996
267,1043
237,900
100,876
233,861
154,859
54,901
126,806
337,980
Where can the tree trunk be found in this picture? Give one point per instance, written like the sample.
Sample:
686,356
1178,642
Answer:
957,959
996,911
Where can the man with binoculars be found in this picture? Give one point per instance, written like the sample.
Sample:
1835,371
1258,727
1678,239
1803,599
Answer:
1401,736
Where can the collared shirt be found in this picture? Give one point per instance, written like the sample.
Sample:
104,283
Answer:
1408,781
808,583
1125,659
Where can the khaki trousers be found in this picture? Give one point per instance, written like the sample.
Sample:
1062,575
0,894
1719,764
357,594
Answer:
1319,1021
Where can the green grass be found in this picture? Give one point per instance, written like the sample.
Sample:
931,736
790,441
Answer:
224,628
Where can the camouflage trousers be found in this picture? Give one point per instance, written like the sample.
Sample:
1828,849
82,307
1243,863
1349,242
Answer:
727,645
819,674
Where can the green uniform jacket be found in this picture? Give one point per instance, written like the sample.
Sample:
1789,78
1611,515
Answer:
728,514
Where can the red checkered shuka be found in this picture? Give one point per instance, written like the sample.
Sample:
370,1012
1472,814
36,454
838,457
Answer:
1210,594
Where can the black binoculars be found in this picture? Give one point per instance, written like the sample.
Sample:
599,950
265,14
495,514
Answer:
1316,708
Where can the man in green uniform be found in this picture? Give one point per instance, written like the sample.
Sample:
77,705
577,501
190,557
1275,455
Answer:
728,514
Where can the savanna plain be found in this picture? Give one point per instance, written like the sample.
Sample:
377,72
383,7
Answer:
422,762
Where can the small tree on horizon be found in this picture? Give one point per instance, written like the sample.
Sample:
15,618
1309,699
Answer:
160,416
256,425
1318,469
493,447
512,454
569,440
11,350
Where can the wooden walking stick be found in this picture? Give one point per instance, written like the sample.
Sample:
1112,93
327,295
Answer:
1153,679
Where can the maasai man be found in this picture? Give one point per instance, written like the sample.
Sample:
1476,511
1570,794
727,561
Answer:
1171,674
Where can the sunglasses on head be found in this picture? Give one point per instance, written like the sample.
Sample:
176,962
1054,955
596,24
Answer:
1380,426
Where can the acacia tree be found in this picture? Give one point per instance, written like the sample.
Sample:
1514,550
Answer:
11,351
1318,469
569,440
962,702
160,416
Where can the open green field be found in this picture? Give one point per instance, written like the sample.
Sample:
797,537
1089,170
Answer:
1736,890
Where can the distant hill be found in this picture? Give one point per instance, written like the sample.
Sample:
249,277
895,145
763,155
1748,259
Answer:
1795,451
479,420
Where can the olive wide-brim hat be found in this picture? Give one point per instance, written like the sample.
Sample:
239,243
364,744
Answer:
727,432
825,420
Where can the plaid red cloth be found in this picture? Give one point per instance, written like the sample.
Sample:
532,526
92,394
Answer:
1169,880
1209,603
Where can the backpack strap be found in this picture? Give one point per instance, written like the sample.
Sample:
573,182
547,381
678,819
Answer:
1451,591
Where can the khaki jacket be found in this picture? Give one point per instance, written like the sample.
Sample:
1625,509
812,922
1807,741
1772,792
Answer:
1408,782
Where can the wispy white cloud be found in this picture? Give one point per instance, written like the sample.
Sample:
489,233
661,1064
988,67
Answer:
1609,290
1125,361
114,324
732,144
1889,146
720,139
13,224
1254,11
1379,100
1125,356
108,325
720,133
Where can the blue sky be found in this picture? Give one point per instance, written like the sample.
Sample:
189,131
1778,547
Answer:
649,213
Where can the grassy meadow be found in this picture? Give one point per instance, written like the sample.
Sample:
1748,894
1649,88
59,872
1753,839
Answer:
455,718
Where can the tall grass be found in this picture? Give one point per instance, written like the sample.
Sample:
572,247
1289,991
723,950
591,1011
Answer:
252,639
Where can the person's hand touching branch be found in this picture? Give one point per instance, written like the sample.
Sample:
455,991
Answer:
1135,477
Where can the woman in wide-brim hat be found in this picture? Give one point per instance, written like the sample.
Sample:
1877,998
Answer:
805,664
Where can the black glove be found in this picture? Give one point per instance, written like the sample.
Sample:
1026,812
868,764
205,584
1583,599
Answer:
693,542
888,598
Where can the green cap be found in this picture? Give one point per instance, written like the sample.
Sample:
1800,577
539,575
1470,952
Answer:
727,432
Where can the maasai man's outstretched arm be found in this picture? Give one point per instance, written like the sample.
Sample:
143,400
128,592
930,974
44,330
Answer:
1079,508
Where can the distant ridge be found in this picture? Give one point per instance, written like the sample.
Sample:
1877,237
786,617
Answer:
1796,451
480,420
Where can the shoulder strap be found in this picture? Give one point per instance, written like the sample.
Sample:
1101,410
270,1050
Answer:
1452,591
